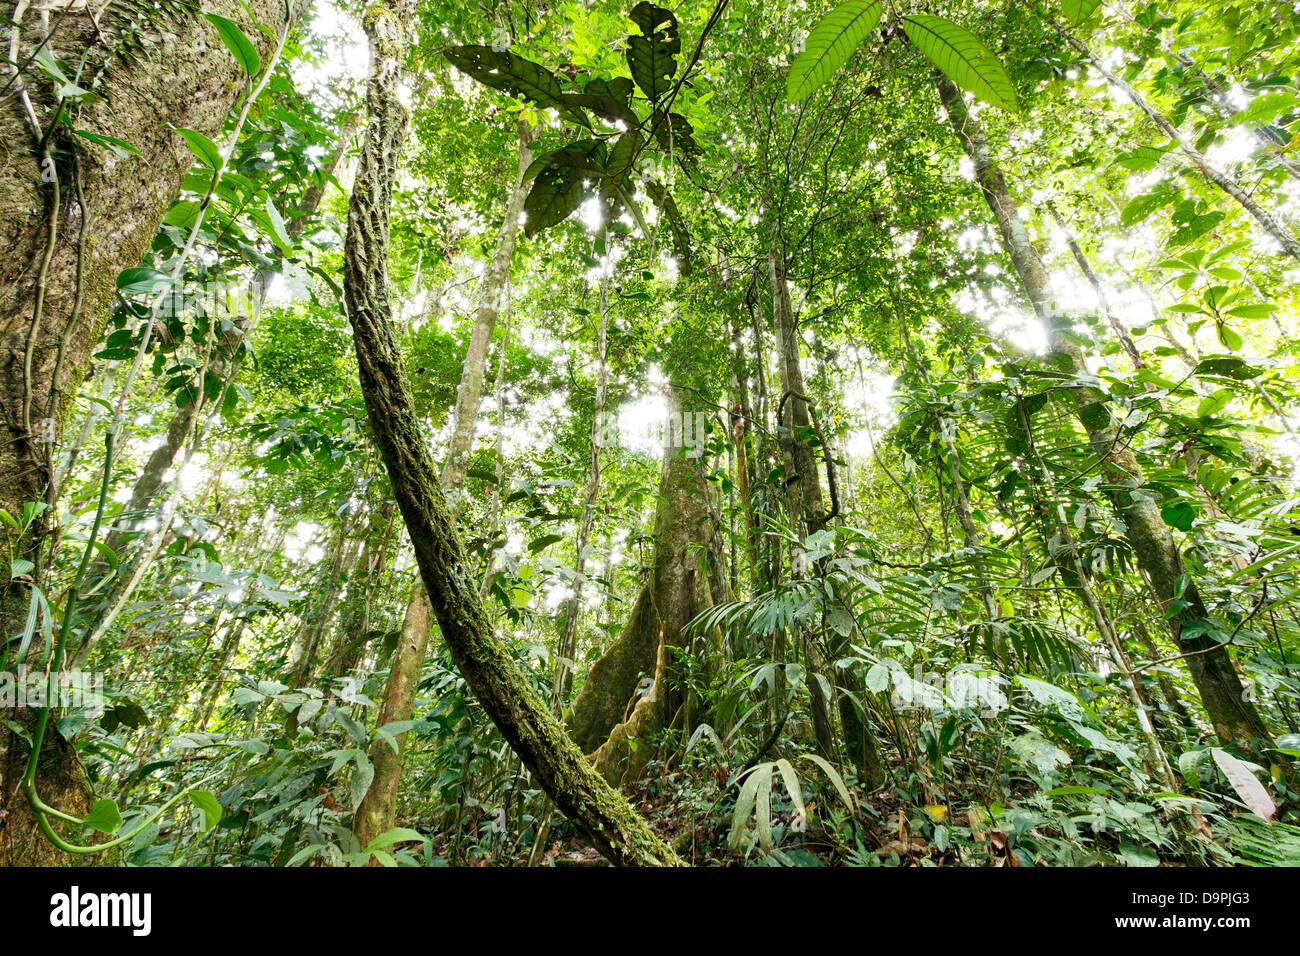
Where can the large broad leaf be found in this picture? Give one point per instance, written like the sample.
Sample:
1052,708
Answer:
675,132
622,156
830,44
652,57
1076,11
1250,790
557,189
963,58
608,99
1226,366
513,74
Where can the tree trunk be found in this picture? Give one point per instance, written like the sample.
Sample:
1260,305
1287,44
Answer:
376,813
562,683
491,297
679,590
532,731
1235,719
805,481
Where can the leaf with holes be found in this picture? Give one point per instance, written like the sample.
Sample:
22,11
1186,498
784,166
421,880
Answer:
963,58
608,99
556,193
557,189
829,46
652,56
513,74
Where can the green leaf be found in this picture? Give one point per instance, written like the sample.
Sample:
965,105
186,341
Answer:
1179,515
1228,366
1033,749
182,213
651,57
1139,207
1077,11
745,804
139,280
361,780
104,816
1143,158
676,225
556,193
513,74
1214,403
118,147
201,146
608,99
963,58
544,542
395,835
210,806
836,780
829,46
278,233
1259,310
237,43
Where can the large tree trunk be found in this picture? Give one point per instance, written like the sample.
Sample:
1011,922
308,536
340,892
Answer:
1235,719
680,589
606,818
66,237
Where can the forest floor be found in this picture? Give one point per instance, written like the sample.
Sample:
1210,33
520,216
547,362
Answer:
878,831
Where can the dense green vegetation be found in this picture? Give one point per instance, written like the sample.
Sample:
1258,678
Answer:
801,435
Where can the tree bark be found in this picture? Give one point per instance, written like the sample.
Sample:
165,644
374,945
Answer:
679,590
562,683
409,655
376,814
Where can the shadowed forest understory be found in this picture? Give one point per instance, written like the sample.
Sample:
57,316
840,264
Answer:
577,433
